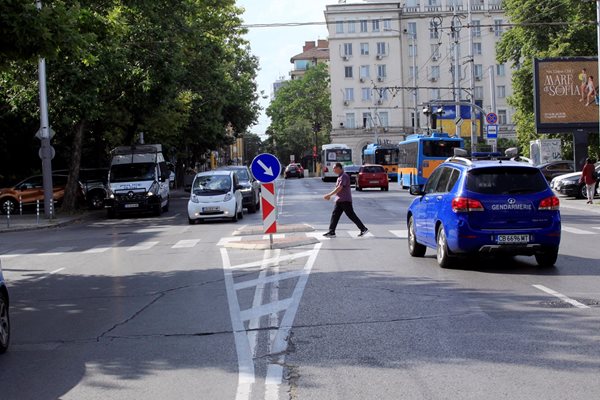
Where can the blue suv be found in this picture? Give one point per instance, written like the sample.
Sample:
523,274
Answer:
492,206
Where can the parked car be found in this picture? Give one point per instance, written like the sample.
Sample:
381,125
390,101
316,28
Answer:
553,169
292,170
251,187
93,183
372,176
4,314
29,191
484,207
352,171
215,194
569,185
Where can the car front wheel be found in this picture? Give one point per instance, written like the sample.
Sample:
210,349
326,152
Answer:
415,249
443,255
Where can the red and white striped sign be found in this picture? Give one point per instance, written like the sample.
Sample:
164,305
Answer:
269,208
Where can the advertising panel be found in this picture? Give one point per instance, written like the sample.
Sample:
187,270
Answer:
565,94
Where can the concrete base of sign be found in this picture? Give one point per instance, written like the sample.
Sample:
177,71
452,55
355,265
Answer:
278,243
258,229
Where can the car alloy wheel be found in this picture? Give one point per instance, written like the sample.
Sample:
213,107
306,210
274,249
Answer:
415,249
443,256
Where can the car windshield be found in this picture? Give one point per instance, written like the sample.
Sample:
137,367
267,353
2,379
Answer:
208,185
132,172
506,180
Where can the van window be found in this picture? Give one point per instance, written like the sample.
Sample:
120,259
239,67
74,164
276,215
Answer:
506,180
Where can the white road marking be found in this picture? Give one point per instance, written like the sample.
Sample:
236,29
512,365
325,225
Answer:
142,246
56,271
354,235
275,236
268,279
560,296
402,234
265,309
153,229
225,240
273,260
185,243
57,251
274,371
16,253
318,235
103,247
576,231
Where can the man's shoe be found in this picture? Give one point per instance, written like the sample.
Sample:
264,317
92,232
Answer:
329,234
363,233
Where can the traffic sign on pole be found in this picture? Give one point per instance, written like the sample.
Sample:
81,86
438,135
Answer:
491,118
492,131
269,207
265,167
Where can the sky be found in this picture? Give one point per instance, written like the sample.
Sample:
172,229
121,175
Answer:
275,46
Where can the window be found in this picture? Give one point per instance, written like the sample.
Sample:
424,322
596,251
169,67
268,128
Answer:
382,94
412,50
347,49
351,26
381,48
364,49
478,92
339,27
364,71
476,49
504,180
498,27
412,29
348,72
367,120
349,94
435,52
411,72
476,29
350,121
433,30
375,24
500,69
501,91
363,25
478,71
434,94
384,119
435,72
381,71
366,94
387,24
502,117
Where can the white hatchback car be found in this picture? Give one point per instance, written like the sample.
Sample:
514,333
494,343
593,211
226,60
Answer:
215,194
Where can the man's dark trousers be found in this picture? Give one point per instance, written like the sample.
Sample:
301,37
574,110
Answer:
344,207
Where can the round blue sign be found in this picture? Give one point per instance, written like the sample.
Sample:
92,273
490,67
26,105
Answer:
265,167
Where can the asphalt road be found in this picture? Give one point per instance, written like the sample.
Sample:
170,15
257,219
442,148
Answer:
154,308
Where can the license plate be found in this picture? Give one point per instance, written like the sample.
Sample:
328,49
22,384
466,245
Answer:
373,181
513,239
132,205
210,209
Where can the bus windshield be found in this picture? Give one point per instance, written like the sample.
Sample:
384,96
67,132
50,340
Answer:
439,148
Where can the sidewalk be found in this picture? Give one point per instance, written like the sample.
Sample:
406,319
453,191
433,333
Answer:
28,221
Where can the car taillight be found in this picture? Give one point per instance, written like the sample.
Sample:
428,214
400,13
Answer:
464,204
549,203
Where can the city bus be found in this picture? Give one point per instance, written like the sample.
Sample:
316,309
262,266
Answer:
420,154
384,154
332,154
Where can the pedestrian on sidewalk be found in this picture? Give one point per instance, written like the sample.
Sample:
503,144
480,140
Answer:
343,203
588,176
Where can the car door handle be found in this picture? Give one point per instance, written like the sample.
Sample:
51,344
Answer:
438,198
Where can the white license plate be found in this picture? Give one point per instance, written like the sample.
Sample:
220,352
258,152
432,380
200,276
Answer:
373,181
513,239
210,209
132,205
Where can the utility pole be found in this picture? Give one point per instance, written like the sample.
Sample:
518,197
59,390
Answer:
472,79
456,27
44,136
413,36
493,94
598,43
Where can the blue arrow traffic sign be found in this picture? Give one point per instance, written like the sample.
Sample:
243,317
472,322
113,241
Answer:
265,167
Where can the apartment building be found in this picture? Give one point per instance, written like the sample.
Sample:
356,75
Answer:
313,53
390,59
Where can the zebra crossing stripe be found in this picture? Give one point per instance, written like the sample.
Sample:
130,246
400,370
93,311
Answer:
142,246
185,243
576,231
402,234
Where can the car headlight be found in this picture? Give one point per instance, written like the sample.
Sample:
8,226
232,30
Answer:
227,197
110,194
194,199
153,190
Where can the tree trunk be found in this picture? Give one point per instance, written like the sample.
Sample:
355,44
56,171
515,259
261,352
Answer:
73,195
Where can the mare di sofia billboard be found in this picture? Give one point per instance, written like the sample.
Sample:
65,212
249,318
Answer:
565,92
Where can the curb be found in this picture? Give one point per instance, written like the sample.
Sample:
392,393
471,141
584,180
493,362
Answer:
259,229
46,224
265,244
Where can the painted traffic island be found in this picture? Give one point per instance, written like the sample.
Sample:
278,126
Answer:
252,237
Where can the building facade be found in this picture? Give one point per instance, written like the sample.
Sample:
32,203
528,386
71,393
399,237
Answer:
312,54
389,60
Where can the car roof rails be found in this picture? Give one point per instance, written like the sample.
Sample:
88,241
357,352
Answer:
460,156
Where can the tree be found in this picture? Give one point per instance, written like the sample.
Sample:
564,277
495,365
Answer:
536,35
301,113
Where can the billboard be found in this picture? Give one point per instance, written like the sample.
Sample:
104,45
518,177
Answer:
564,99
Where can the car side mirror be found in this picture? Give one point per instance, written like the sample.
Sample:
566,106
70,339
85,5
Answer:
239,187
416,190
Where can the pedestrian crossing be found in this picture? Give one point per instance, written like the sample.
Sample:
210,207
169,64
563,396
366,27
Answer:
120,245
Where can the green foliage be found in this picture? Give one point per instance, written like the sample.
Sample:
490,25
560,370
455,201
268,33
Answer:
301,114
537,35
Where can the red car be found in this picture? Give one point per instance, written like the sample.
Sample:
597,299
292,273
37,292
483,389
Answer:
372,176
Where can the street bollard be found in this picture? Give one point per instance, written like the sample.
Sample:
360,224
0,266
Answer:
20,205
8,217
37,212
52,209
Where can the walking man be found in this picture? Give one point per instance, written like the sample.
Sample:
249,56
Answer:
343,203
